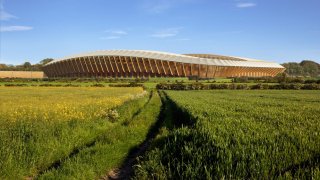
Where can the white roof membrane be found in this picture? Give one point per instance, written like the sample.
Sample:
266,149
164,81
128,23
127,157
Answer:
244,62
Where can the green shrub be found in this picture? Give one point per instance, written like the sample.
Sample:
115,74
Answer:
71,85
256,86
97,85
311,86
15,85
131,84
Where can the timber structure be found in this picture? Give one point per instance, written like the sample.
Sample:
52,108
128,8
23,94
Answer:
140,63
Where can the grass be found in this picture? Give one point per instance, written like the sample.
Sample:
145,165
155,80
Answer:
111,148
86,132
40,125
237,135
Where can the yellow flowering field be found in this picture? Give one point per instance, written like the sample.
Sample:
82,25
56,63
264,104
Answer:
39,125
59,104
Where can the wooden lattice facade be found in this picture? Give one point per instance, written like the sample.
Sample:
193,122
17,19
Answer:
126,63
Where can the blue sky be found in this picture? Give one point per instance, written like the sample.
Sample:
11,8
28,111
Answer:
275,30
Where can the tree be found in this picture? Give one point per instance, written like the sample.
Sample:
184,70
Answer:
26,65
304,68
310,68
46,61
293,69
3,66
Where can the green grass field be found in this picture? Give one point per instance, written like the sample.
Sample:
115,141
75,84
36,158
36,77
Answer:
39,126
110,148
225,134
88,132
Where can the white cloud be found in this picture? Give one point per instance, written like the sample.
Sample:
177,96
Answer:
159,6
5,16
183,39
114,34
110,37
15,28
118,32
245,4
165,33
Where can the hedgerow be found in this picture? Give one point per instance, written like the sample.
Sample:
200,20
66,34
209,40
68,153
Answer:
235,86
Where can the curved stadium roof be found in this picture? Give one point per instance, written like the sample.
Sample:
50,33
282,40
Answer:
141,63
205,59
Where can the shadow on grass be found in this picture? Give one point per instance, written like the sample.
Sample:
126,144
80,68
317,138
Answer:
308,164
126,170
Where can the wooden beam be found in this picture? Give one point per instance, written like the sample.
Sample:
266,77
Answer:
125,58
122,65
115,61
60,63
111,64
226,71
134,69
90,64
56,69
99,59
51,69
274,72
240,71
73,68
215,71
207,71
82,66
77,67
165,73
150,66
47,71
184,70
170,68
271,72
155,62
63,69
211,71
175,65
95,65
138,64
144,65
87,66
67,67
106,65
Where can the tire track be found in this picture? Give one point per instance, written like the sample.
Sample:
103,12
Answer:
56,164
125,171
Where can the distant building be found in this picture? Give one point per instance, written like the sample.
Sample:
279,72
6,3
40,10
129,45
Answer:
22,74
139,63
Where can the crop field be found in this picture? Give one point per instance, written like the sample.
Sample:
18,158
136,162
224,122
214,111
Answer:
225,134
39,126
120,132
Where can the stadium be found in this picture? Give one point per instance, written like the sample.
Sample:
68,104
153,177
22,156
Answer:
141,63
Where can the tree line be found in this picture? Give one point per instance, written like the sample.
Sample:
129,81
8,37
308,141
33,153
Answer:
26,66
305,68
